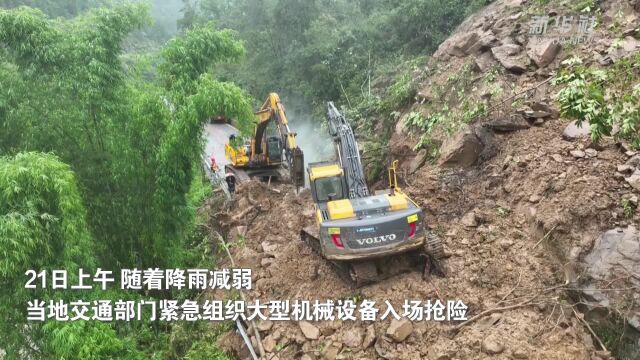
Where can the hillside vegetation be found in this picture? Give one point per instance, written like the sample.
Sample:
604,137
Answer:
522,153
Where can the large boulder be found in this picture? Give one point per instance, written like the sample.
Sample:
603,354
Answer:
399,330
460,45
353,337
509,123
309,330
634,180
466,147
574,131
510,56
615,255
545,107
485,42
543,51
484,61
630,44
418,161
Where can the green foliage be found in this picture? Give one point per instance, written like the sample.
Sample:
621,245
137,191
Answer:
187,57
54,8
503,211
132,142
470,113
400,93
606,99
583,96
43,226
205,350
87,340
628,209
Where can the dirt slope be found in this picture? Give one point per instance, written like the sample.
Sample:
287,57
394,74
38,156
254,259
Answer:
498,258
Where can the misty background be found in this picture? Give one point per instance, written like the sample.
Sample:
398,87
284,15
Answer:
167,17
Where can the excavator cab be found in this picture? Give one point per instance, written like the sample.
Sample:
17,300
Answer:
326,181
274,149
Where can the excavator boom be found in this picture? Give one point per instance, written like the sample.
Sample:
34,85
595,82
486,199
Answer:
348,153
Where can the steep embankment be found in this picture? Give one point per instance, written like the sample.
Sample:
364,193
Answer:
518,198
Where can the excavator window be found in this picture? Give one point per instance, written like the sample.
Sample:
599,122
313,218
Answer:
329,188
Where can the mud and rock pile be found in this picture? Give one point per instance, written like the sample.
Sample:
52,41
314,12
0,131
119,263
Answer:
492,264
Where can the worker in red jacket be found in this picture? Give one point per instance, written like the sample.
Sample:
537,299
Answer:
214,165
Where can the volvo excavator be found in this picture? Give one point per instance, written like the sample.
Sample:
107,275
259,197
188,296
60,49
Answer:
367,237
271,150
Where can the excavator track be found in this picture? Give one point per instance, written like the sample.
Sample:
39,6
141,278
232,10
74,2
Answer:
307,236
277,174
434,251
433,246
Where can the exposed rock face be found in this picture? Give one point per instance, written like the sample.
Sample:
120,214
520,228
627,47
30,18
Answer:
511,57
543,51
486,41
573,131
615,253
418,161
399,330
615,247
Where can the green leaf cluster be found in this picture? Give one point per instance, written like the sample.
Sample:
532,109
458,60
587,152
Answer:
607,99
98,164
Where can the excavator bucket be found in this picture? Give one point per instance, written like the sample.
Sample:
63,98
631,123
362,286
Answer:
296,167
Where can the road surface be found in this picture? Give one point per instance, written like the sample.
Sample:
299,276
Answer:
216,136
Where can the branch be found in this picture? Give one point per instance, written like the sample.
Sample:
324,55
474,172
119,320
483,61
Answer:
582,320
524,303
244,299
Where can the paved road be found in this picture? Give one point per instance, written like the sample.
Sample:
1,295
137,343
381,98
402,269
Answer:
216,136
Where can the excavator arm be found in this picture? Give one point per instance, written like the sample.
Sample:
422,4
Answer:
348,153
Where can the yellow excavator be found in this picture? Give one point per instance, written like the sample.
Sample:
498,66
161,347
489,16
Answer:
367,237
271,150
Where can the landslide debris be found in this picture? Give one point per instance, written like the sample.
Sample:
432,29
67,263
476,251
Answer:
535,217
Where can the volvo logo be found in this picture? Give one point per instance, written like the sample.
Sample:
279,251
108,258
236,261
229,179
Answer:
376,240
